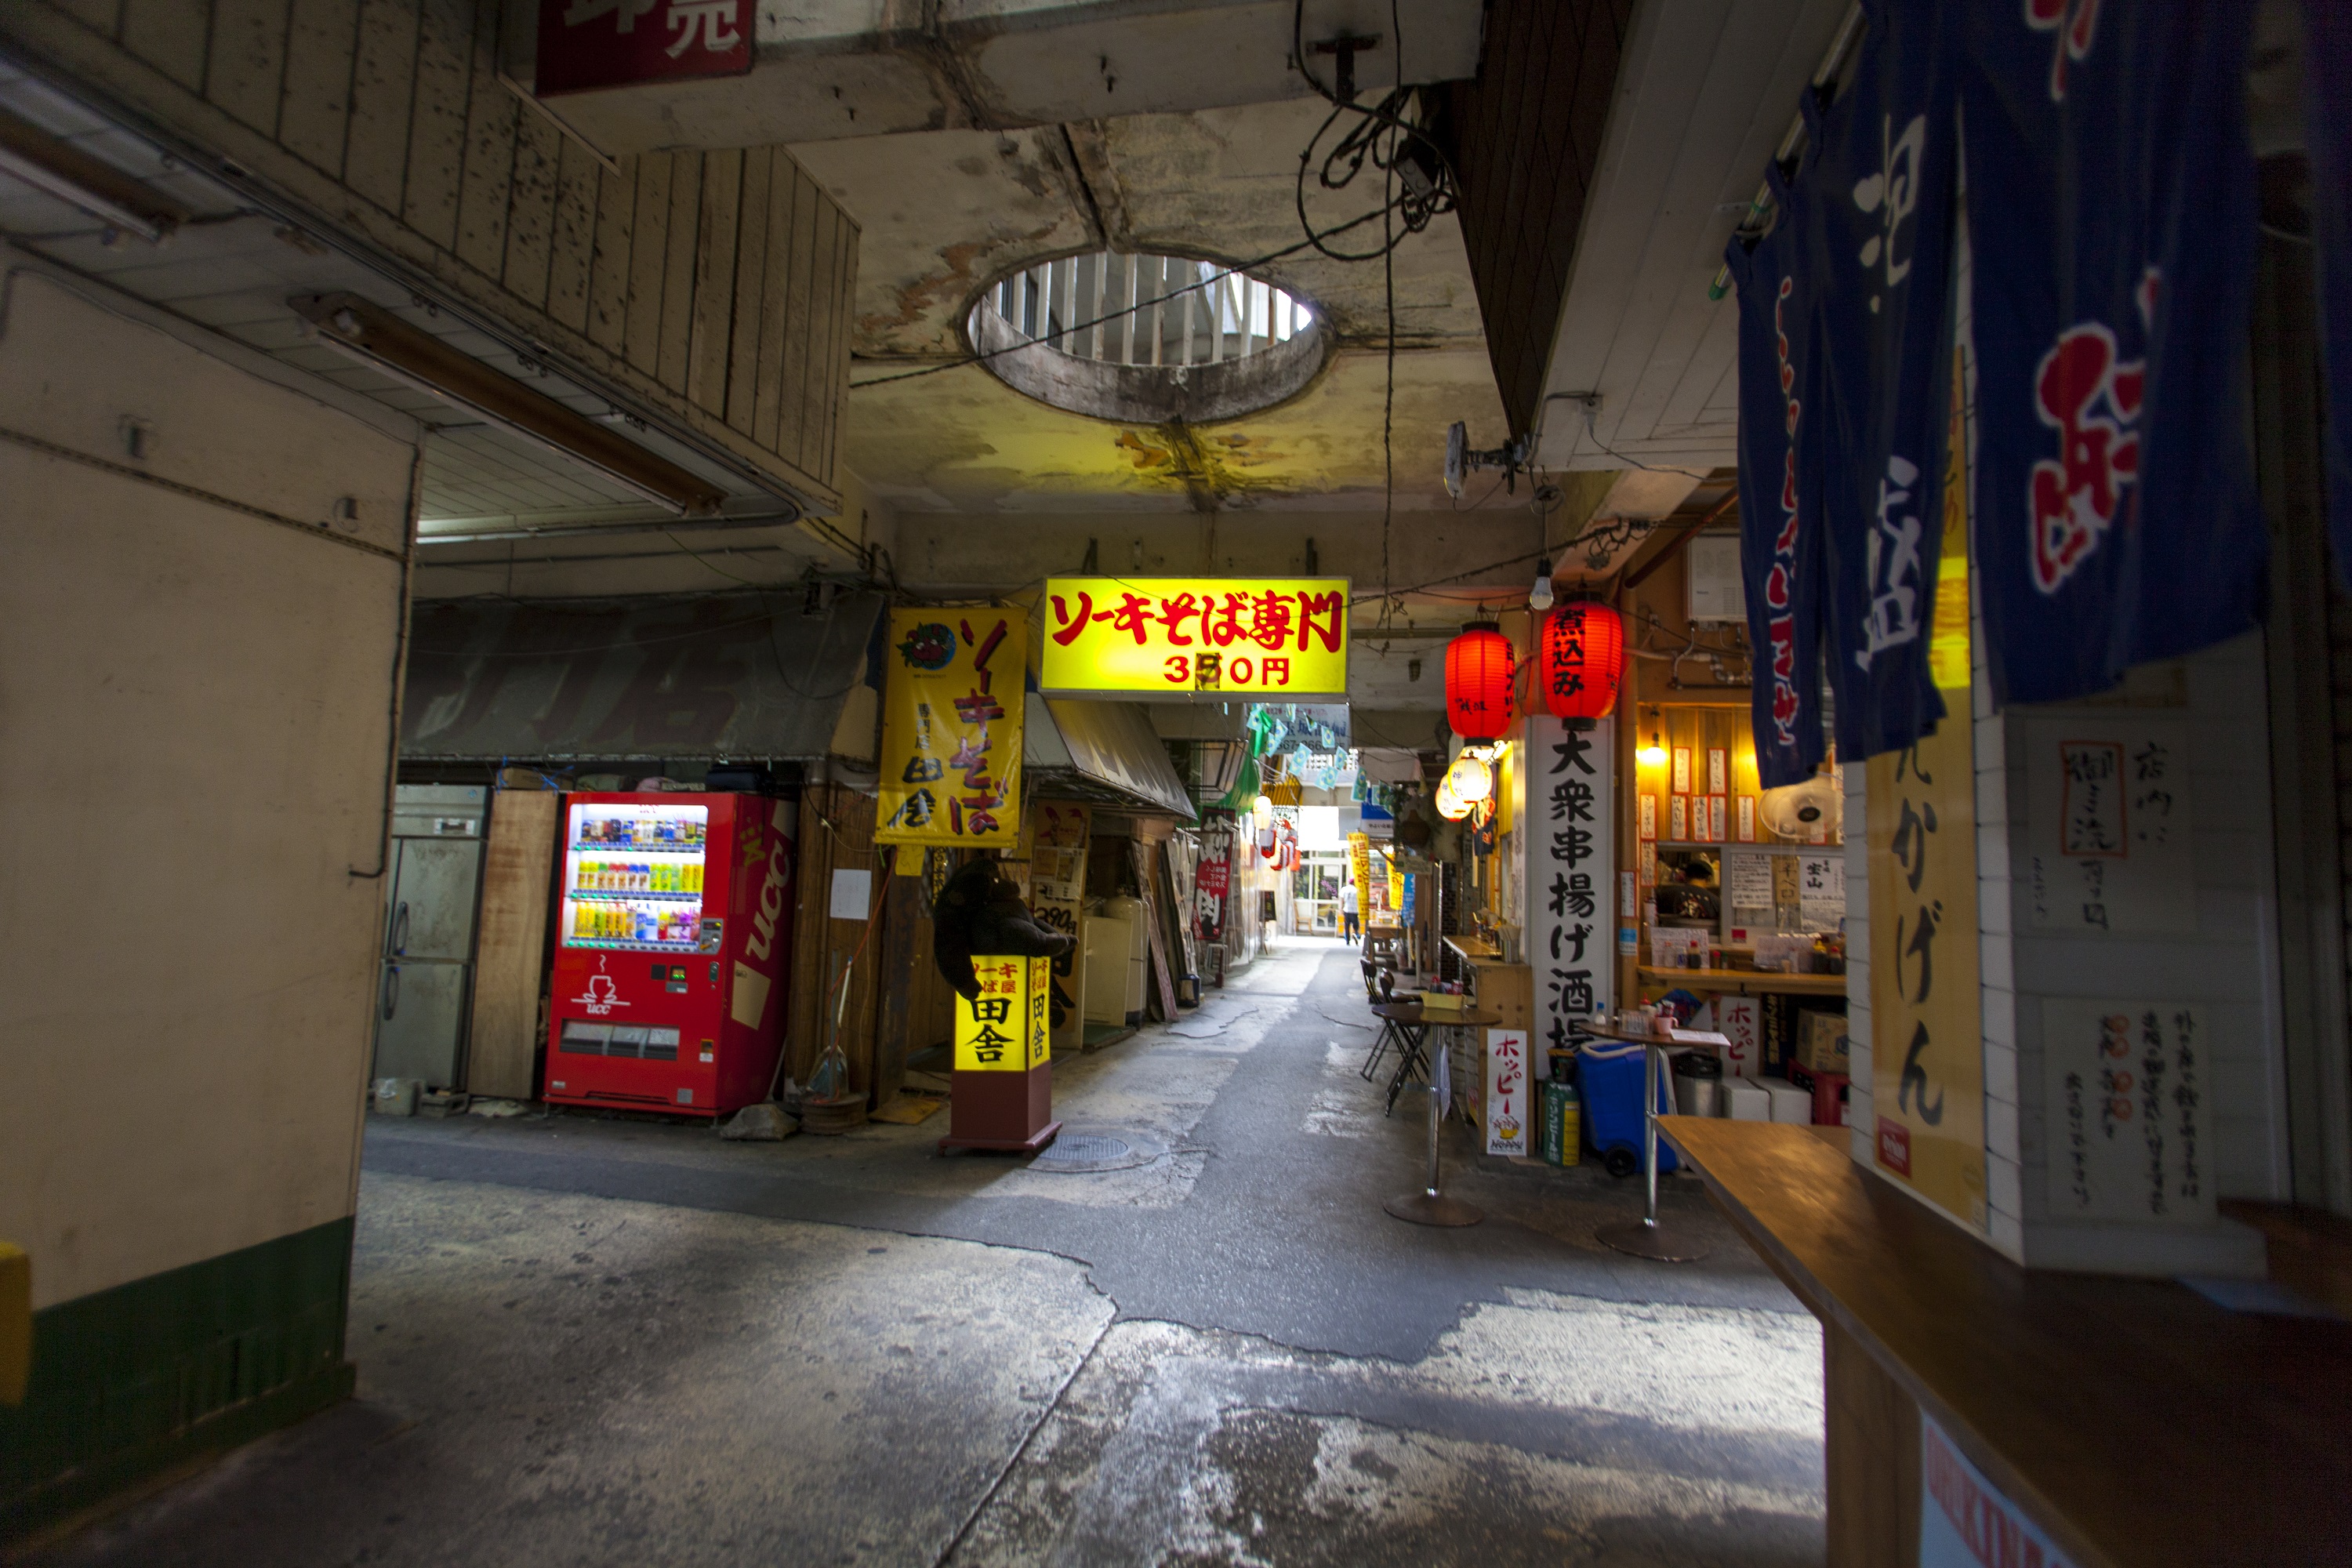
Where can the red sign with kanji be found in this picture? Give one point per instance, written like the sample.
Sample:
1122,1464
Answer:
587,44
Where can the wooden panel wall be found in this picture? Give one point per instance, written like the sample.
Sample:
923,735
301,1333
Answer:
715,285
1524,136
836,834
511,959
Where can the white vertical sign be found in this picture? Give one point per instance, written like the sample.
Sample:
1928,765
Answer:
1570,837
1740,1021
1508,1094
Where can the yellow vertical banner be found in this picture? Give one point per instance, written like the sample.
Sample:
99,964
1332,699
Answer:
1927,1057
1006,1027
951,728
1359,866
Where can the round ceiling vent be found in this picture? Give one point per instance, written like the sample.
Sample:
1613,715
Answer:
1147,339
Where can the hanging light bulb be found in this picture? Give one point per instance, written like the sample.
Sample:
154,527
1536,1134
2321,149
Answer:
1540,596
1450,807
1470,778
1654,756
1262,809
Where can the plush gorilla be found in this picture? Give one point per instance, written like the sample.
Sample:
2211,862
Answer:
979,911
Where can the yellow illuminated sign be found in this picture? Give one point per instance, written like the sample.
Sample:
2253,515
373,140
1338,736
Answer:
1276,638
1008,1027
951,726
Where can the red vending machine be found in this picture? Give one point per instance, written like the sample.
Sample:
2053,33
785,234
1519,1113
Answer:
672,951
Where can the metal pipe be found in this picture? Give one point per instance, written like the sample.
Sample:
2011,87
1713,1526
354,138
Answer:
1126,317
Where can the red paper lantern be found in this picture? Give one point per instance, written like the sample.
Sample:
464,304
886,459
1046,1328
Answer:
1480,667
1580,660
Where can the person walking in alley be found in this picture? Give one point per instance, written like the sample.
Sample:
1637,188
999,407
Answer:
1347,911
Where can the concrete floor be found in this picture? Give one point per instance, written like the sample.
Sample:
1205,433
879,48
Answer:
607,1342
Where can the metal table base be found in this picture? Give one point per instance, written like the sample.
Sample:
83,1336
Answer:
1430,1205
1645,1237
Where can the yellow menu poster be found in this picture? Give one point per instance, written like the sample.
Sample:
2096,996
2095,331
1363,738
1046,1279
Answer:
1926,1044
951,728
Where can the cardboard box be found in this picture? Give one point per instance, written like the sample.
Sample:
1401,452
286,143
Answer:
1789,1103
1747,1100
1821,1040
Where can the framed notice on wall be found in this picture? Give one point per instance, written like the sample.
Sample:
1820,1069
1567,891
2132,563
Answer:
1718,771
1646,814
1678,818
2128,1116
2108,801
1682,771
1747,819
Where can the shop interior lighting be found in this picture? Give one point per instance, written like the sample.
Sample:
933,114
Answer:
56,167
1654,756
1540,596
369,333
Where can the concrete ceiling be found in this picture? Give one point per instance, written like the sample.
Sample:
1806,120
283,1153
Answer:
943,212
823,68
1705,91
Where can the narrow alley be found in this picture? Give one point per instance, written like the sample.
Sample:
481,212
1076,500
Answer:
623,1341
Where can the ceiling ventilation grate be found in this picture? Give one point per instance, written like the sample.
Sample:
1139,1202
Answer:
1129,336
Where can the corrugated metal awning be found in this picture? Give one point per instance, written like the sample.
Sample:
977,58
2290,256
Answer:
737,676
1105,751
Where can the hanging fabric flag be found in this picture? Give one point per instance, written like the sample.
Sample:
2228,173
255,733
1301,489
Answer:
2111,198
1779,503
1877,227
2327,130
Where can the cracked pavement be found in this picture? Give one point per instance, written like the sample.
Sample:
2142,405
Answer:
588,1340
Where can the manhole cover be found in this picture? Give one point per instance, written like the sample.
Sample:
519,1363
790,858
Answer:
1078,1153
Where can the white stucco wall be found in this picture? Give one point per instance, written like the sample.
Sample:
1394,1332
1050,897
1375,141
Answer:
195,708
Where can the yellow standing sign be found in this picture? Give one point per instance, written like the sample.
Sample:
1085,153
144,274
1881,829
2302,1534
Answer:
951,730
1007,1027
1926,1055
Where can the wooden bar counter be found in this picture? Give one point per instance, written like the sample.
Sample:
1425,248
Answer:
2137,1422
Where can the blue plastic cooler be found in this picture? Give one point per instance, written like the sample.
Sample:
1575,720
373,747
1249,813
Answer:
1611,1076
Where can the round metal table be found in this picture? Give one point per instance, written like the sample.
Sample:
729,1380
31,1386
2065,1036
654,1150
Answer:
1413,1023
1645,1237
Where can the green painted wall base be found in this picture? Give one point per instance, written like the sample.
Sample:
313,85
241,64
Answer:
134,1381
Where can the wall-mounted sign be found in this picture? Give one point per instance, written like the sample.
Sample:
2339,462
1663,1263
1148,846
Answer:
951,728
1178,637
2128,1126
1005,1028
585,44
2108,800
1572,866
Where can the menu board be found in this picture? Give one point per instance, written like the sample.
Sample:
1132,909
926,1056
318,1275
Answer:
2127,1118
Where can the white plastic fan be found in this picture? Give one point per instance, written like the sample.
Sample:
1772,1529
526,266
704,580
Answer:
1794,811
